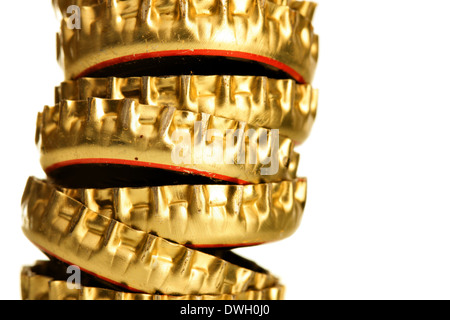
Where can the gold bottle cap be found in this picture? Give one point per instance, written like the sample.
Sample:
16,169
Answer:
34,281
69,231
126,133
276,36
198,216
38,282
259,101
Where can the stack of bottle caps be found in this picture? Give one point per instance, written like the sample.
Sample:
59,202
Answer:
170,142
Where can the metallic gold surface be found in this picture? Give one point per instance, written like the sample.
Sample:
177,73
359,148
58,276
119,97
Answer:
259,101
32,285
305,8
198,215
66,229
112,30
39,285
126,132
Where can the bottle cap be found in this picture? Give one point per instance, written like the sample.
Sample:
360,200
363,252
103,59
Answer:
252,37
136,260
38,282
198,216
260,101
99,143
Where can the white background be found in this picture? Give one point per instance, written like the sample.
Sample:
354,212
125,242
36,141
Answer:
377,221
